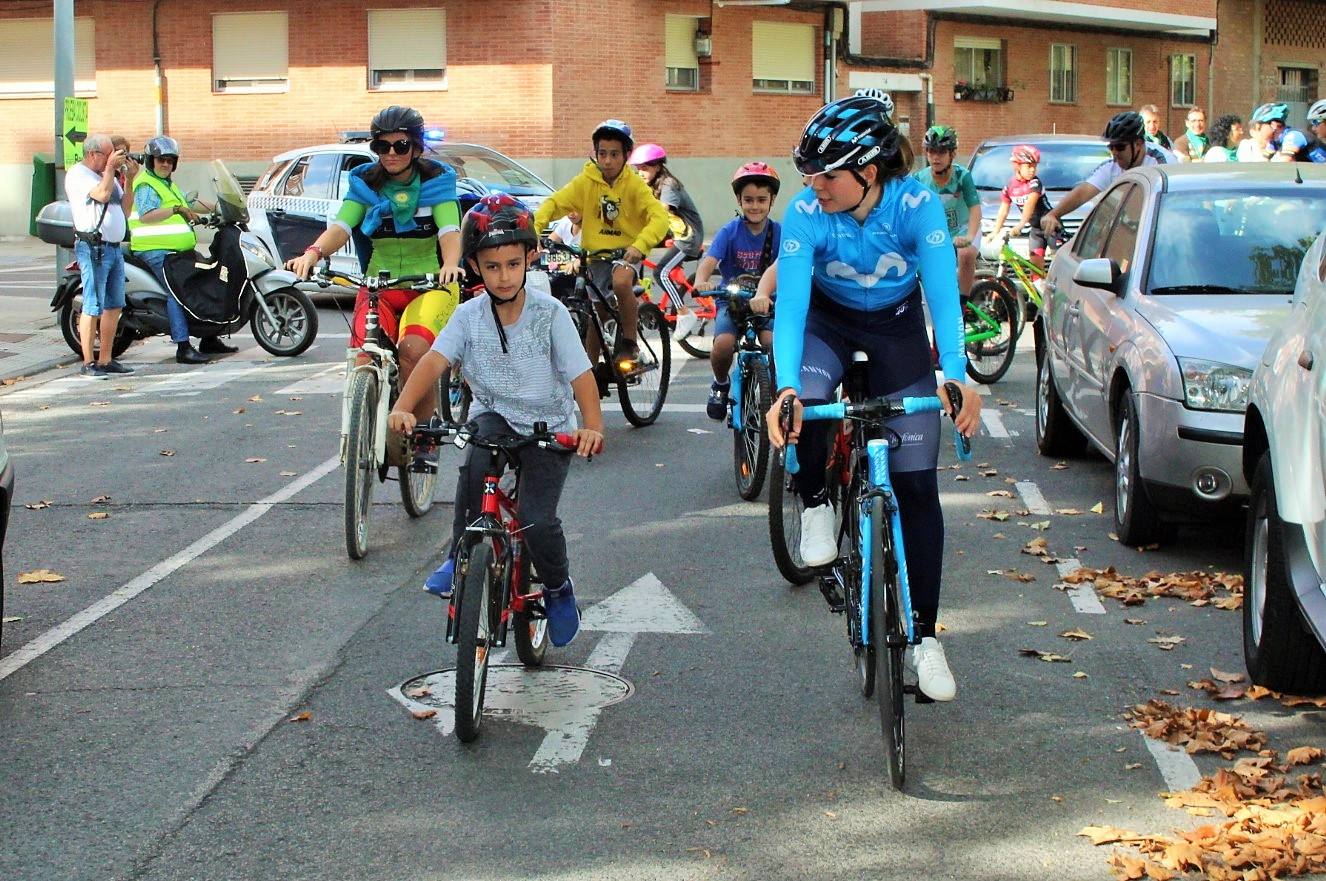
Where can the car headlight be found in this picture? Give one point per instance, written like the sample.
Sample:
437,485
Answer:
1210,385
259,250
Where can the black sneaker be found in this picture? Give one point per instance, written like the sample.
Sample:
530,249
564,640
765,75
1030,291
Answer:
601,377
716,407
116,367
93,371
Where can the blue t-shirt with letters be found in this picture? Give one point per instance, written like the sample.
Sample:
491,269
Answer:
738,252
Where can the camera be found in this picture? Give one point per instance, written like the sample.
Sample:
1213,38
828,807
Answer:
140,158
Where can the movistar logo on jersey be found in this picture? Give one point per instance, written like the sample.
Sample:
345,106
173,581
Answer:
886,264
811,207
911,201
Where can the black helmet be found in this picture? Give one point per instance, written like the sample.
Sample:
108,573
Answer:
399,119
495,220
162,146
941,137
1125,127
850,133
615,130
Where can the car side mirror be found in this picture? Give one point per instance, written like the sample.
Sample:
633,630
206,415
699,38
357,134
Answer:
1099,272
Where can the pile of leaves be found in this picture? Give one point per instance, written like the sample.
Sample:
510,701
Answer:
1197,588
1273,827
1196,729
1233,686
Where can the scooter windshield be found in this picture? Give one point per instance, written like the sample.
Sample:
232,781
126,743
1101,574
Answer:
230,201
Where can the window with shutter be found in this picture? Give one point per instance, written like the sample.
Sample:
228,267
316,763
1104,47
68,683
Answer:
683,66
783,57
1119,76
407,49
1063,73
250,52
27,57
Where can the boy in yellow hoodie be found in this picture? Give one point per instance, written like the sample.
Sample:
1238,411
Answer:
618,210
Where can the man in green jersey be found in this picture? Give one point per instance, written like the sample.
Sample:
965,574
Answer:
957,193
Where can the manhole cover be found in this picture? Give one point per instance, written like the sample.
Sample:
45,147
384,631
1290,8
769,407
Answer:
546,697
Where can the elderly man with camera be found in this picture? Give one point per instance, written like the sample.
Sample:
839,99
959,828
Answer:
99,205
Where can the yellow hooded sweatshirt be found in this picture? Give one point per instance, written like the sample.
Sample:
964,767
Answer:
623,215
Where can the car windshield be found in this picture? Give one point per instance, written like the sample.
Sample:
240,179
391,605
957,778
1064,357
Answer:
492,170
1234,241
1064,164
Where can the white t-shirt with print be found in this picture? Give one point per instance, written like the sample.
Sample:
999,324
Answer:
1250,152
79,181
1106,172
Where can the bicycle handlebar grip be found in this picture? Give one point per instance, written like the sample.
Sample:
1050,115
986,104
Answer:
825,411
568,441
960,440
922,404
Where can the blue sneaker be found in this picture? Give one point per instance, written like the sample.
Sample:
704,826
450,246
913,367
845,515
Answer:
439,583
563,616
716,407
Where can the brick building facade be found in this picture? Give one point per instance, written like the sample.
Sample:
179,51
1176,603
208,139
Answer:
532,77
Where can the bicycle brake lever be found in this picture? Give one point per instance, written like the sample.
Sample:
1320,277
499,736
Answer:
961,441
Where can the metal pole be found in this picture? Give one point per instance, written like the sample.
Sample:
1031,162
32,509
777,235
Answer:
64,77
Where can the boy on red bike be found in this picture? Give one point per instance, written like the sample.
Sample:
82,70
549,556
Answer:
746,245
521,355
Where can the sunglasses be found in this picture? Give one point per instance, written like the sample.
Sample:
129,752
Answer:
173,160
1119,148
383,147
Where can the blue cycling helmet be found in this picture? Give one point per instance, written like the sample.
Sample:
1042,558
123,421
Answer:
1271,113
614,129
850,134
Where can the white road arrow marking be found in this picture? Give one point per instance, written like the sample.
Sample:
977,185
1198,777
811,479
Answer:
566,701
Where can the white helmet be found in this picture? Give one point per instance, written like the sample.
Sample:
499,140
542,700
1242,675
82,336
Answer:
879,95
1317,112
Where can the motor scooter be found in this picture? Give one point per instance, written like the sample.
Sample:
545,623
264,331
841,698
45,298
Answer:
238,282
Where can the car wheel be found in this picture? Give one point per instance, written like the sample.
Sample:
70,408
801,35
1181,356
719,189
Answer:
1056,435
1279,650
1135,518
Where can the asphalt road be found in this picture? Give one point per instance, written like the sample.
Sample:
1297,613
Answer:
152,739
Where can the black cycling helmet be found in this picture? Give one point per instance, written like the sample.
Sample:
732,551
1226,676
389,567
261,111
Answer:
399,119
850,134
614,130
495,220
941,137
1125,127
162,145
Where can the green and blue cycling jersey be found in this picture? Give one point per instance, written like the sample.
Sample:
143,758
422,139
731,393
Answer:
867,266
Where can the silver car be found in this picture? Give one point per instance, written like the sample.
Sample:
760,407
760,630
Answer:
1155,318
295,198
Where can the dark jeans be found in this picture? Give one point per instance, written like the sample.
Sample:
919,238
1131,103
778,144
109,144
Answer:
542,475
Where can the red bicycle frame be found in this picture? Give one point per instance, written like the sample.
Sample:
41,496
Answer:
705,308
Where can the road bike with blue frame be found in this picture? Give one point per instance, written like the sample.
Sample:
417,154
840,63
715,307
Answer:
751,393
868,582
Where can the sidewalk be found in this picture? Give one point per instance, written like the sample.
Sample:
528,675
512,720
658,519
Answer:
30,338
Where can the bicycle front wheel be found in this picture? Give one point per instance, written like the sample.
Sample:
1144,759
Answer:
530,629
360,465
989,319
888,637
785,523
454,397
750,446
644,388
475,628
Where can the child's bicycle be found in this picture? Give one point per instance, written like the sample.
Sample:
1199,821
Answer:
642,385
752,387
372,383
868,583
495,589
700,341
989,331
1018,276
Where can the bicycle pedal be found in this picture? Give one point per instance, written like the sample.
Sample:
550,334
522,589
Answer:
919,695
837,602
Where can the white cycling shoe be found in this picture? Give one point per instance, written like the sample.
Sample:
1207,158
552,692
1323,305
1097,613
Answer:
819,536
686,324
931,667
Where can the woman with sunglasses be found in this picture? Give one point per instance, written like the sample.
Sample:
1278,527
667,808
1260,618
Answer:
161,225
856,244
405,203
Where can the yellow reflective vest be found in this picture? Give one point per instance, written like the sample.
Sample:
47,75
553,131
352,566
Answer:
171,234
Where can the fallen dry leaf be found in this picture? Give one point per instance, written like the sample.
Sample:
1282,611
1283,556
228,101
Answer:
97,515
37,506
423,714
1067,512
1303,755
302,717
1048,657
1076,634
1220,676
1098,508
1013,575
1079,675
1041,525
40,576
160,430
999,494
1167,643
167,452
1132,766
11,619
237,410
255,459
101,500
288,473
988,514
959,477
256,399
422,691
1195,729
1223,589
1059,466
1038,623
1134,621
1037,547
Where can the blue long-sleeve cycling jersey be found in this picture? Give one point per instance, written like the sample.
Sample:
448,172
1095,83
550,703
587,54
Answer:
867,266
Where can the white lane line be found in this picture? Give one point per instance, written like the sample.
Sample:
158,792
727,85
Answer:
1082,596
26,268
994,423
1176,766
565,745
1032,498
325,382
24,655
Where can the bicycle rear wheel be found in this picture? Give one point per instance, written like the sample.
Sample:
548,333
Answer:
889,639
360,467
475,627
750,446
644,389
785,522
990,315
454,397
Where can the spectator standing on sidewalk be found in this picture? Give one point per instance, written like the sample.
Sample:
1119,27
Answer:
1151,122
1191,146
99,206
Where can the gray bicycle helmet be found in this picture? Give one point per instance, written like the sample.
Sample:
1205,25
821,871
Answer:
1317,113
615,130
